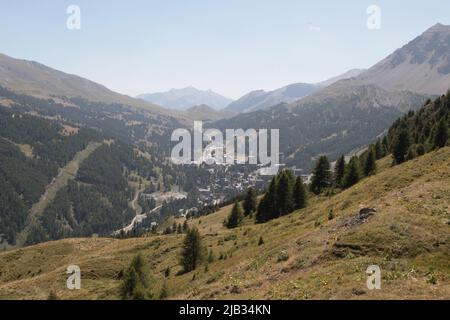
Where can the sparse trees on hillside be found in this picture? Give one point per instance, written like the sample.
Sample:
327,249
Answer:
284,195
135,283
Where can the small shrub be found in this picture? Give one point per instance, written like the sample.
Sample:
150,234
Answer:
261,241
283,256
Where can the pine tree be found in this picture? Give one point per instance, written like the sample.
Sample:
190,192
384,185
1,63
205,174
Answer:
164,292
250,202
235,218
135,282
268,207
441,135
352,175
379,150
370,165
191,253
52,296
299,194
400,146
285,193
339,171
185,226
321,176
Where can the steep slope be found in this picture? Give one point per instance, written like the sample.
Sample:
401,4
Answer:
35,79
422,65
337,120
260,99
349,114
182,99
304,255
353,73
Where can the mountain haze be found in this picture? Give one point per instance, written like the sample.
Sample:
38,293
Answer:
182,99
260,99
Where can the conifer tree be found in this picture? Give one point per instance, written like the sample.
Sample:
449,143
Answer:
370,165
135,282
339,171
379,150
191,252
299,194
235,218
285,193
322,177
250,202
268,207
441,135
352,174
400,146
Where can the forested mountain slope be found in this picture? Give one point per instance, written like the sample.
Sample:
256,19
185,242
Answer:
303,256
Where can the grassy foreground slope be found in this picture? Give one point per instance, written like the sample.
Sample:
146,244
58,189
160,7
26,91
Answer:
304,256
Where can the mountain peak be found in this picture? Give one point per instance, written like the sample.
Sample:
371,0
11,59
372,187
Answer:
438,27
427,57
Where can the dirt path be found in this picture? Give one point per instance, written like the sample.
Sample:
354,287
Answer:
134,205
67,173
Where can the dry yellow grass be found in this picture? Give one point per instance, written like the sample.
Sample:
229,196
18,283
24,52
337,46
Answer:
409,238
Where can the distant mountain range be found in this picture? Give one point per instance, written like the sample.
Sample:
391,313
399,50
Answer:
349,113
331,117
260,99
183,99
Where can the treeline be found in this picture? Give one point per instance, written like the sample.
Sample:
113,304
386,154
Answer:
422,131
286,193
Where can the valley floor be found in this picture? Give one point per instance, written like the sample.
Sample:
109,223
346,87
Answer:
304,256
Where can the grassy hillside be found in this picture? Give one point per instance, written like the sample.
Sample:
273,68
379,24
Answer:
304,255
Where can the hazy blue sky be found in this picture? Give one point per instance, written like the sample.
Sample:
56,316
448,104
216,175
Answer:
229,46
